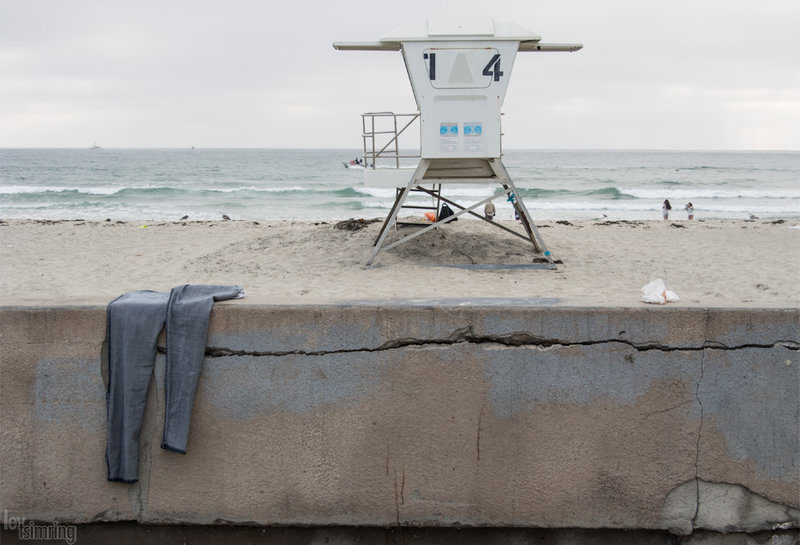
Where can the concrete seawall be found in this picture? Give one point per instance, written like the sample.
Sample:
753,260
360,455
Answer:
502,414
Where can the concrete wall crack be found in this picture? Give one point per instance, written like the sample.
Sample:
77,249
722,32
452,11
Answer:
516,338
699,439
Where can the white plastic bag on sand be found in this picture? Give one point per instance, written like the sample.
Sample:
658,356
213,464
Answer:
657,293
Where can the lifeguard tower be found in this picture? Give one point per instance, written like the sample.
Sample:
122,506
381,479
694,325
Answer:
459,71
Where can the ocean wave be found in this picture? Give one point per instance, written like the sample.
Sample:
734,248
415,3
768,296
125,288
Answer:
702,193
148,190
170,190
641,206
25,189
609,193
453,192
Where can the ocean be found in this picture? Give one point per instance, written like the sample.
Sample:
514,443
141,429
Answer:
293,184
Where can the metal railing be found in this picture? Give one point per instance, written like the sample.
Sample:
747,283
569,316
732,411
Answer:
381,135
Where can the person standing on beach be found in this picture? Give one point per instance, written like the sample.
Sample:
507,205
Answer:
665,208
489,210
690,211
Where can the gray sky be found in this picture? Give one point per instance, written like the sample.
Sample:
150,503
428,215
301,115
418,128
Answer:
685,74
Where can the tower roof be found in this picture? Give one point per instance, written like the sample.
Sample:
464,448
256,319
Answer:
457,29
448,29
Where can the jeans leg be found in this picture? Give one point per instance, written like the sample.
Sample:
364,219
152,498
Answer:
188,313
134,322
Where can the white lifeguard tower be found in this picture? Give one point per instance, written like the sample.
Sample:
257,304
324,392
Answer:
459,71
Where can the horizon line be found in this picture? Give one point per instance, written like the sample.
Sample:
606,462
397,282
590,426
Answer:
190,148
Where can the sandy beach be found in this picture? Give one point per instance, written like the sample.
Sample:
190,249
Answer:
753,263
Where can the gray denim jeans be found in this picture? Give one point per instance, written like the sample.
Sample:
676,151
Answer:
134,321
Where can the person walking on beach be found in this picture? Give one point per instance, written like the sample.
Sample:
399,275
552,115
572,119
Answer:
665,208
690,211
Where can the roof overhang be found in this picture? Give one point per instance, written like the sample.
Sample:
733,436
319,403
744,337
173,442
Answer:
457,29
539,46
395,46
367,46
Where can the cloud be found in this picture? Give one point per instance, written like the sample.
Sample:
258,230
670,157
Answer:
680,75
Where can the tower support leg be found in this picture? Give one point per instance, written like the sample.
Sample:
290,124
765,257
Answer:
519,204
415,180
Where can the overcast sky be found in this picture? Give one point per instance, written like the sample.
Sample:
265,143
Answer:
684,74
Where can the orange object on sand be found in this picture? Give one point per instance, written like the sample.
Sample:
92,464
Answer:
430,215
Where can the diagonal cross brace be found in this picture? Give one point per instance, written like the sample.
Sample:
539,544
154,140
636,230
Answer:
500,175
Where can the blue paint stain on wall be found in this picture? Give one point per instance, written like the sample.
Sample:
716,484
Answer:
567,327
579,375
244,387
71,393
752,397
759,333
311,336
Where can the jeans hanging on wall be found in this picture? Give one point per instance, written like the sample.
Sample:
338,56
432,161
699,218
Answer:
134,322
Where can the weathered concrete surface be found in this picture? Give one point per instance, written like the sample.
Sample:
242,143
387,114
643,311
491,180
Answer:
426,415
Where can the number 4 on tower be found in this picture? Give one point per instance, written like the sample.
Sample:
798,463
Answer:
492,68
